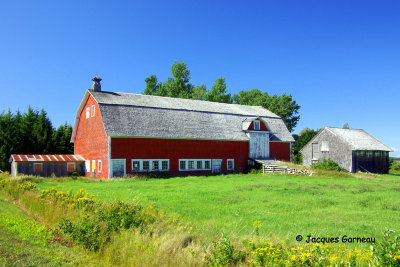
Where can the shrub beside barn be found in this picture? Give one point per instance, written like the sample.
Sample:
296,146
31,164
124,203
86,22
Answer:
352,149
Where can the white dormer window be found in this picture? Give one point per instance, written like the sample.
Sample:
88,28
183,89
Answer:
93,110
256,125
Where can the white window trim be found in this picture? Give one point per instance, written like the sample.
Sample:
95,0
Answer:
99,163
87,165
257,122
233,164
150,165
87,112
92,110
70,163
195,164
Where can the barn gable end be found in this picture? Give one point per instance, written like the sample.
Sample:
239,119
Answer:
90,139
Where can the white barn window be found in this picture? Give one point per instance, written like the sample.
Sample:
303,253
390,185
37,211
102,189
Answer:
257,125
93,110
87,165
87,113
194,164
146,165
230,164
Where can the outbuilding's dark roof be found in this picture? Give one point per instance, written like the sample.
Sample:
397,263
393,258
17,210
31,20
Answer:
134,115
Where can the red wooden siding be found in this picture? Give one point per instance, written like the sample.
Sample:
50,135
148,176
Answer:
263,127
91,141
279,151
174,149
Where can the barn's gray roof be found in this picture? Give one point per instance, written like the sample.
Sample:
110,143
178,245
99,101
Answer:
359,139
136,115
179,104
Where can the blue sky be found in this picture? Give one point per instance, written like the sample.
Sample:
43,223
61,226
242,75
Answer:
340,60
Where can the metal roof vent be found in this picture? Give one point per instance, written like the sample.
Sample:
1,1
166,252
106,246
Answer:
96,84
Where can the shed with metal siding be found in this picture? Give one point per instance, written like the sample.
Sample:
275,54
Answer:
46,165
352,149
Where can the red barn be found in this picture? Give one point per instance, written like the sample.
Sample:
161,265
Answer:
120,134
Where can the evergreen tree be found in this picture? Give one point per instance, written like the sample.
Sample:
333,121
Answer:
43,131
31,133
29,141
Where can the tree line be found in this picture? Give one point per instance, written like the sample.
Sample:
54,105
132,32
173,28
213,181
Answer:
179,85
31,132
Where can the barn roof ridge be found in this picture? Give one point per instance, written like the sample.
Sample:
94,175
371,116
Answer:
107,97
245,117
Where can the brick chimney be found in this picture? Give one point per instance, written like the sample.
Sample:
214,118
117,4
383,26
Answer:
96,84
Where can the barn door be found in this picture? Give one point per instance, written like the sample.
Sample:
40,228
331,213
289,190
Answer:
315,151
118,167
216,165
259,145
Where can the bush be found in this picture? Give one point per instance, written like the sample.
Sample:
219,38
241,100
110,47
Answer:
93,230
123,215
387,251
394,165
327,164
223,254
297,158
88,232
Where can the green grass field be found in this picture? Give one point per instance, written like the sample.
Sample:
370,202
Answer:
23,242
326,205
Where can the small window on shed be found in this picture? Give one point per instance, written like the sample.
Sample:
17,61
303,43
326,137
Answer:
257,125
70,166
93,165
37,167
93,109
87,113
325,146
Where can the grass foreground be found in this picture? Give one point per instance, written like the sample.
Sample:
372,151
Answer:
328,205
228,220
